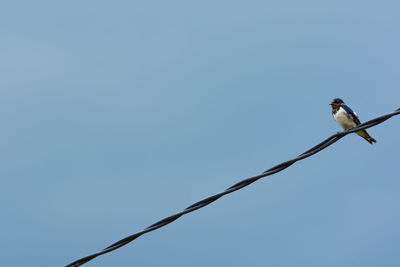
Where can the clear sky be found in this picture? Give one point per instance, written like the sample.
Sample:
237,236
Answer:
115,114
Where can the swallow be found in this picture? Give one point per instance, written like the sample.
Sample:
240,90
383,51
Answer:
347,118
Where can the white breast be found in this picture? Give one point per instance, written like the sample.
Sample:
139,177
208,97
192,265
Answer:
344,121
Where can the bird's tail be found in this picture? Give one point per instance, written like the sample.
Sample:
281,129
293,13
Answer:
365,135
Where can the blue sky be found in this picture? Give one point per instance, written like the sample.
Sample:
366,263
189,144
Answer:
117,114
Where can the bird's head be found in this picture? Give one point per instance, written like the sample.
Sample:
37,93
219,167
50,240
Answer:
335,103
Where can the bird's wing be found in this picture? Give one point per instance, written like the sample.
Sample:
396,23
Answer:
352,115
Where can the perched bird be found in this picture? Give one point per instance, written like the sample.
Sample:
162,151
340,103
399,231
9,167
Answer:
347,118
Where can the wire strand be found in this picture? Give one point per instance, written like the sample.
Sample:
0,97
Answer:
239,185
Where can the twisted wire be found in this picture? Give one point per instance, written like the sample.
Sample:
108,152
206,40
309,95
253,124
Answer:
202,203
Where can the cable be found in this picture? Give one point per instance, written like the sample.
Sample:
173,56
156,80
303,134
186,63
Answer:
202,203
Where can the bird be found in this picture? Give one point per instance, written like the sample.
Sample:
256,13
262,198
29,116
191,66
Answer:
348,119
